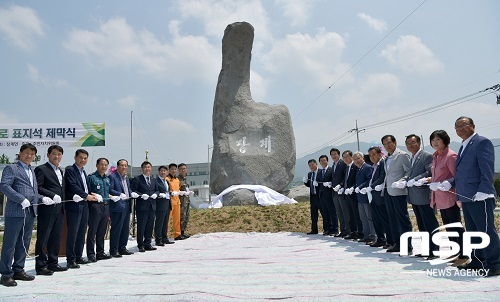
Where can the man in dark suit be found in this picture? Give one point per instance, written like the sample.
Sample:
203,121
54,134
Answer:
420,196
119,210
379,211
349,201
324,177
77,211
50,218
338,175
163,208
312,184
476,193
146,187
19,185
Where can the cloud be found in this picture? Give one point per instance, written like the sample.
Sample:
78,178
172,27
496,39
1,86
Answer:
376,24
308,59
411,55
46,81
375,89
21,25
216,15
258,86
7,119
128,101
116,44
171,125
298,11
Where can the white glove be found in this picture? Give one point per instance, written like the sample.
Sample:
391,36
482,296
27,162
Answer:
420,182
304,179
356,190
190,192
163,195
341,190
57,199
99,197
134,195
47,201
349,191
182,193
175,193
327,184
26,203
144,196
410,183
315,183
337,188
379,188
363,191
123,196
480,196
368,189
115,198
399,184
77,198
434,186
154,195
445,186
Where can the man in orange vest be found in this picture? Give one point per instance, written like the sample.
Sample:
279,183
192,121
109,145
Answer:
174,186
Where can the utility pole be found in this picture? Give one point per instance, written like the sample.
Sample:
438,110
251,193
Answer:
357,132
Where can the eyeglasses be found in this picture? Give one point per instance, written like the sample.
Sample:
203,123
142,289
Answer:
461,127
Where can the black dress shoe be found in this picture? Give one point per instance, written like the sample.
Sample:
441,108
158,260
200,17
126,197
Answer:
150,248
23,276
73,265
44,272
91,259
469,266
178,238
338,234
57,268
8,281
141,250
312,233
431,257
351,236
103,256
394,249
168,242
125,252
160,244
492,272
185,236
378,244
82,261
117,255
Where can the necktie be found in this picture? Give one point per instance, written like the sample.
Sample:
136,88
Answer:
334,167
84,180
322,173
313,189
125,187
460,150
148,181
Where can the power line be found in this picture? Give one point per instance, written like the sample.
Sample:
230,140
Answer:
359,60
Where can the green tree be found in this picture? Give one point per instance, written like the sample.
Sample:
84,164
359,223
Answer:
4,159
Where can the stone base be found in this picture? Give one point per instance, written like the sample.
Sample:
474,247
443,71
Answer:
239,197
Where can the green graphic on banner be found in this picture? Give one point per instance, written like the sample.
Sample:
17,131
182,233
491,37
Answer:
94,137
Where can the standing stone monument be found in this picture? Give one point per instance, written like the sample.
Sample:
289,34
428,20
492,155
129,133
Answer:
254,142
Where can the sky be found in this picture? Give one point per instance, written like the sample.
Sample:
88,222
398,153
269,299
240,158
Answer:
330,62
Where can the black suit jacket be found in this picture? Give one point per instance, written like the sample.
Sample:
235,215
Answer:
74,185
351,179
378,179
339,174
162,204
48,185
324,192
139,185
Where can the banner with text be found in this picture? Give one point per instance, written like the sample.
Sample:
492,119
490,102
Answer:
47,134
